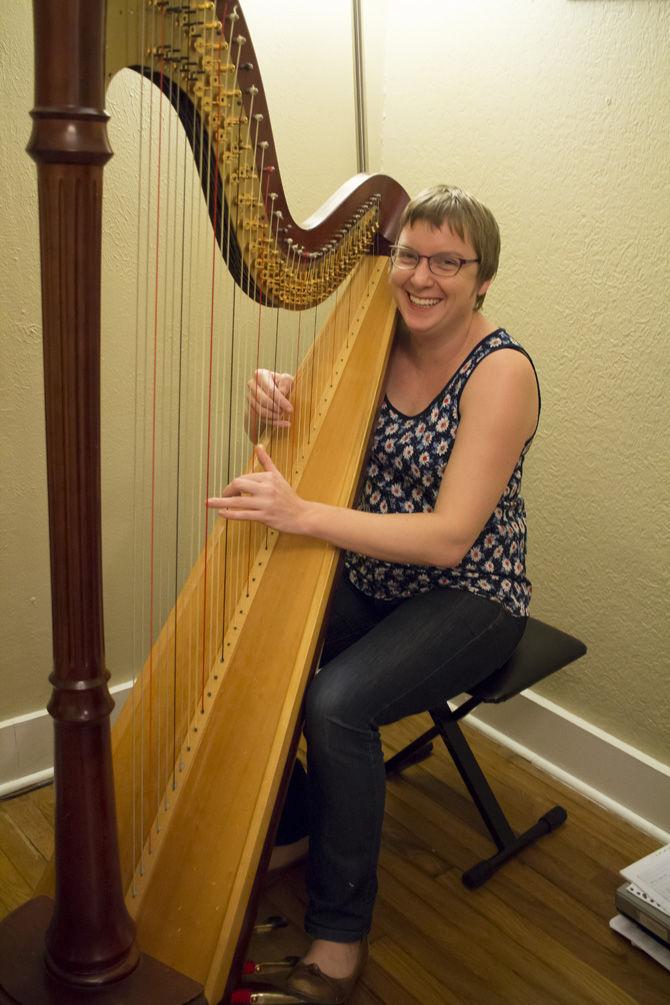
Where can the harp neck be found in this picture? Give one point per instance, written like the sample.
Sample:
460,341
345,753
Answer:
209,72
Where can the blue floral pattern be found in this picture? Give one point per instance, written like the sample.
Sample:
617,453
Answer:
404,473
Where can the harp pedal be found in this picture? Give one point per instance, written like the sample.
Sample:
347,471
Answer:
271,923
262,968
261,996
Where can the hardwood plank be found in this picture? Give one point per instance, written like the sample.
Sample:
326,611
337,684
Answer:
15,890
536,934
44,799
581,931
28,862
572,978
386,983
26,816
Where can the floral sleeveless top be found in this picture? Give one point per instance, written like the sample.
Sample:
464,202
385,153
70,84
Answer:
403,475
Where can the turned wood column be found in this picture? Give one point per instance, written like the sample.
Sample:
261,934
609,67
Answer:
90,939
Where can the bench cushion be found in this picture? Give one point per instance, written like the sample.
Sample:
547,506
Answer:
541,652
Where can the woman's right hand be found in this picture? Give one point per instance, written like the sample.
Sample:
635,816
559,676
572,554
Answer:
268,400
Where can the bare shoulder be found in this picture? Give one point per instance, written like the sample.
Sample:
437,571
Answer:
504,383
507,367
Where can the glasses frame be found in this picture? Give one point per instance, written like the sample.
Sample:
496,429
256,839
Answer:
429,258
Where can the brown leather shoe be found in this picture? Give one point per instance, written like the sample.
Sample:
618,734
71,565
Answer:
317,988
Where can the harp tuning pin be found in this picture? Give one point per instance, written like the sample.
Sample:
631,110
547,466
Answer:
258,117
247,66
240,39
159,50
264,144
252,90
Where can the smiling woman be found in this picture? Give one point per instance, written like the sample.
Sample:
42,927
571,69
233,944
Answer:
435,592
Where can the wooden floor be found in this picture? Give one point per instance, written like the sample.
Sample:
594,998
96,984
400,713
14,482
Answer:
537,934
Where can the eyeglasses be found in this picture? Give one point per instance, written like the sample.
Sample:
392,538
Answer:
440,264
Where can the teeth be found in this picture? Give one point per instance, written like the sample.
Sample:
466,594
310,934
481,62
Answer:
422,301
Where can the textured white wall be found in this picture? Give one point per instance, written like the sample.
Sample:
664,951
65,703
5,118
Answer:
316,149
25,604
555,114
310,93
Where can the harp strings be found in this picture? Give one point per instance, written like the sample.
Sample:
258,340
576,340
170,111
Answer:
204,194
202,402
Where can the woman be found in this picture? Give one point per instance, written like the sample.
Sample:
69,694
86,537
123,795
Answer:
435,594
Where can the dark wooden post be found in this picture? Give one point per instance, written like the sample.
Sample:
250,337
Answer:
88,939
91,936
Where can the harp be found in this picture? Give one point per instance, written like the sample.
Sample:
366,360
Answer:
164,924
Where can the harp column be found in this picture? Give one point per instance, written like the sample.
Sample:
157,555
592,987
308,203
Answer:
91,937
50,951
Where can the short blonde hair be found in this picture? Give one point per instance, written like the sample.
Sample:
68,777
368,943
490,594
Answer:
466,216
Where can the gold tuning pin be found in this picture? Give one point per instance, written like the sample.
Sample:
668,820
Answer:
202,45
213,64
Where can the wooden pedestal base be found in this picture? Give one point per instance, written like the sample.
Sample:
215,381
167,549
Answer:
24,979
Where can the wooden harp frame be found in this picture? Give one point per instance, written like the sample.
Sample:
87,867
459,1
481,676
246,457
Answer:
84,944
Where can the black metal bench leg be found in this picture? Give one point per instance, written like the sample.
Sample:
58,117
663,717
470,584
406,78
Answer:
507,842
476,782
479,873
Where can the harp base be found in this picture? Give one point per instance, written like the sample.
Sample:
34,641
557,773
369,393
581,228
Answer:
24,979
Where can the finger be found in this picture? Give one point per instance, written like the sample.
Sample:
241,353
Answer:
274,400
250,515
267,407
262,382
232,503
284,384
223,501
270,387
247,485
264,458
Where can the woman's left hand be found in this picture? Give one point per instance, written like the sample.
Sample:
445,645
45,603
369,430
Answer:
263,496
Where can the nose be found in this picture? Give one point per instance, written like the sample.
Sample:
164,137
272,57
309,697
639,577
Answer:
422,274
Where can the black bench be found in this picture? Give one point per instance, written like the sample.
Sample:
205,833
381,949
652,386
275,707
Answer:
542,651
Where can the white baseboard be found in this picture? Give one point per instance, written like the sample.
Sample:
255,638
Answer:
26,747
612,773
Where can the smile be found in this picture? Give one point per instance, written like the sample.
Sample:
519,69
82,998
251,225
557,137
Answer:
422,301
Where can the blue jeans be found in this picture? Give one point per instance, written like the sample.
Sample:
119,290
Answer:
382,661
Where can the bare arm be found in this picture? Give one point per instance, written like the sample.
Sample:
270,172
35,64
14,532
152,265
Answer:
498,414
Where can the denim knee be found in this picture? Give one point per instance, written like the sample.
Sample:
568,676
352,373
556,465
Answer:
329,704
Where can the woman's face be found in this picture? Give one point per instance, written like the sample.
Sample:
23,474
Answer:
432,305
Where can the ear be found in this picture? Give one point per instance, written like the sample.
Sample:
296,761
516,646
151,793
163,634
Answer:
484,287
